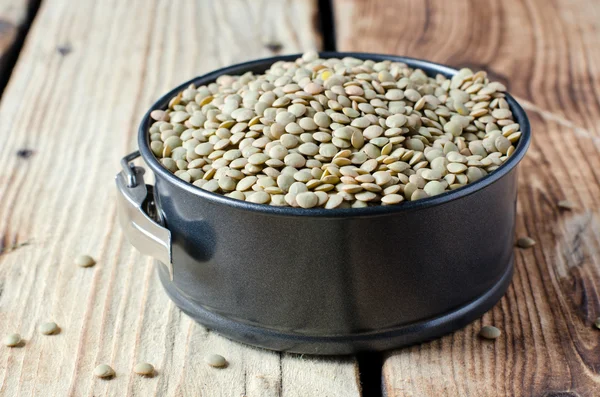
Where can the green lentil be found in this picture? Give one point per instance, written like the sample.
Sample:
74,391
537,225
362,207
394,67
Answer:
489,332
85,261
405,135
104,371
49,328
12,340
144,369
216,360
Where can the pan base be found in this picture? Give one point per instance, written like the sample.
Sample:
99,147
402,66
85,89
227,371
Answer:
390,338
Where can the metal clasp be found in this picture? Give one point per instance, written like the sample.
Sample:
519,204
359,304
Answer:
143,232
128,168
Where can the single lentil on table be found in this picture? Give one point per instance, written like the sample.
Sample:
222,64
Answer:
104,371
489,332
525,242
216,360
12,340
566,205
85,261
144,369
49,328
335,133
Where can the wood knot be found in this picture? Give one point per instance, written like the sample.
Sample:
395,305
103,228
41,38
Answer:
274,47
25,153
64,49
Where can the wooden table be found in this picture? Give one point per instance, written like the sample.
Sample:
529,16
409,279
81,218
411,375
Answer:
86,72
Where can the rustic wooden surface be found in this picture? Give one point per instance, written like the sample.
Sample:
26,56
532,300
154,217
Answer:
89,70
547,53
87,73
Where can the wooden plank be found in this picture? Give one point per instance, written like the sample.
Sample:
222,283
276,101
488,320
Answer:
547,54
66,119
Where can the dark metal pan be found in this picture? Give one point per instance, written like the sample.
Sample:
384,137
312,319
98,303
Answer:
324,281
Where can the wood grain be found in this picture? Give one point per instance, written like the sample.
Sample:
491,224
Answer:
86,75
546,52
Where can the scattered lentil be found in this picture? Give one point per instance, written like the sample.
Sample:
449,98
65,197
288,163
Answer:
597,323
104,371
144,369
215,360
12,340
566,205
525,242
352,132
50,328
85,261
489,332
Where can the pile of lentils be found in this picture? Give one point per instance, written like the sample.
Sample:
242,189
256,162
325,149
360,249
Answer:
335,133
